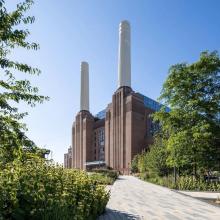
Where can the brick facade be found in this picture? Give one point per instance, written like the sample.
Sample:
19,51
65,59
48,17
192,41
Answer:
126,129
116,138
68,158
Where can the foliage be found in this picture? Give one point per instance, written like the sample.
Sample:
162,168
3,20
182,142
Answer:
190,183
183,183
166,181
156,158
104,176
153,161
101,179
189,135
31,187
111,173
134,164
38,189
192,127
14,90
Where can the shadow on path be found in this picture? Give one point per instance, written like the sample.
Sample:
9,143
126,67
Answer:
117,215
119,178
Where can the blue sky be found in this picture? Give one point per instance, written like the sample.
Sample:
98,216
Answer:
70,31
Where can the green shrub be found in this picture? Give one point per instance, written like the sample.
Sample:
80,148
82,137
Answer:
190,183
37,189
182,183
102,179
134,164
153,160
104,176
163,181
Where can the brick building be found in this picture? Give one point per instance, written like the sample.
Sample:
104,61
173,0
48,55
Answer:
68,158
122,130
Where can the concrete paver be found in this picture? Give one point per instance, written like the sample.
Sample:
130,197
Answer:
134,199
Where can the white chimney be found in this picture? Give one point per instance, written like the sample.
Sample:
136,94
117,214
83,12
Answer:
84,96
124,55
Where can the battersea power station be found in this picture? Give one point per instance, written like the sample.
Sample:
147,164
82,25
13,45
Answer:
123,129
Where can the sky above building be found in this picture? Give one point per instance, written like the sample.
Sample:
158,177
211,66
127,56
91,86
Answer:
163,33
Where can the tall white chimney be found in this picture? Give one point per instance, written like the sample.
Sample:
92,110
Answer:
124,55
84,95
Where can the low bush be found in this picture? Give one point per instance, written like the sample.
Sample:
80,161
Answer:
37,189
190,183
104,176
182,183
102,179
163,181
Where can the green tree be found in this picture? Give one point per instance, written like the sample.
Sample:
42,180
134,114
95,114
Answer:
153,162
157,156
192,126
13,35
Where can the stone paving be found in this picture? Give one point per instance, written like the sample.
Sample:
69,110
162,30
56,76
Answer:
134,199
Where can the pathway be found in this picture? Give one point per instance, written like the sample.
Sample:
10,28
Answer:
134,199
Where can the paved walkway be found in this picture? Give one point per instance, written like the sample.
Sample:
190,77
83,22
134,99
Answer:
134,199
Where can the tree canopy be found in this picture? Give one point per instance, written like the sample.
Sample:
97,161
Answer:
13,35
192,91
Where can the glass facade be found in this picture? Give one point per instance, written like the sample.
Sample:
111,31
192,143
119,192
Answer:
148,102
152,127
152,104
101,114
99,144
